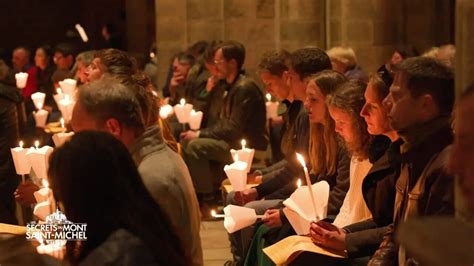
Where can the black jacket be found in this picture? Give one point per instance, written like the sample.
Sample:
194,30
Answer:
243,116
10,99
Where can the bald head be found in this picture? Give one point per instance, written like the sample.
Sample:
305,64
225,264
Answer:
20,58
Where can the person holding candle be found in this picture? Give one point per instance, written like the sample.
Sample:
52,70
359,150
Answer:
243,116
118,107
104,198
361,239
10,97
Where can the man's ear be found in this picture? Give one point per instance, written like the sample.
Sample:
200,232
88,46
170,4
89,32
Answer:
429,106
114,127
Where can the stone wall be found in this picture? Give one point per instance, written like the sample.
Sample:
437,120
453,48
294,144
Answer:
374,28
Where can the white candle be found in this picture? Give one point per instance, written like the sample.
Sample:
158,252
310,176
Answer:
245,154
38,158
66,106
43,193
41,117
60,138
42,210
195,119
298,183
271,107
68,86
183,111
237,174
38,99
22,165
308,181
21,79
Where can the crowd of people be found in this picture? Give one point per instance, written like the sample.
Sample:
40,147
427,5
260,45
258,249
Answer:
383,142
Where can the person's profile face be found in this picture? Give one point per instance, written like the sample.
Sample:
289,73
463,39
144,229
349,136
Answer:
344,124
374,113
95,70
315,103
274,85
41,59
297,85
222,65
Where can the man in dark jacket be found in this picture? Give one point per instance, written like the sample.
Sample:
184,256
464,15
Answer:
420,103
10,98
243,117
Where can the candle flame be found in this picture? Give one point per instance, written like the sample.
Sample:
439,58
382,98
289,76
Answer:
62,122
182,101
268,96
243,142
213,213
298,183
45,183
301,159
37,143
20,144
59,91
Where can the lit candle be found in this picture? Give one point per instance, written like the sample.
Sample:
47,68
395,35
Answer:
183,111
60,138
271,107
43,193
195,119
66,106
21,79
41,117
58,96
215,215
38,158
38,99
22,165
165,111
237,174
68,86
308,181
238,217
245,154
62,122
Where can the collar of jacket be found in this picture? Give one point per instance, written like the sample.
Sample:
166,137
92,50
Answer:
150,141
417,136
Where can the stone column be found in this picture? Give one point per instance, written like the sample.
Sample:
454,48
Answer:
464,73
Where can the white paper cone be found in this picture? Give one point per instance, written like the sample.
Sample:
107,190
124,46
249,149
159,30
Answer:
68,86
38,99
21,79
42,194
183,112
238,217
22,164
38,159
300,201
58,98
300,224
237,174
195,119
42,210
41,117
66,106
244,155
272,109
60,138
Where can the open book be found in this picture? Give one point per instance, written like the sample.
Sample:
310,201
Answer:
289,248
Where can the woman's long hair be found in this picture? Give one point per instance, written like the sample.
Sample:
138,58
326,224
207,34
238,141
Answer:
96,180
323,144
349,97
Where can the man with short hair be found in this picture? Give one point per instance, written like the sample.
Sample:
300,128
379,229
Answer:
107,105
419,106
64,60
243,117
